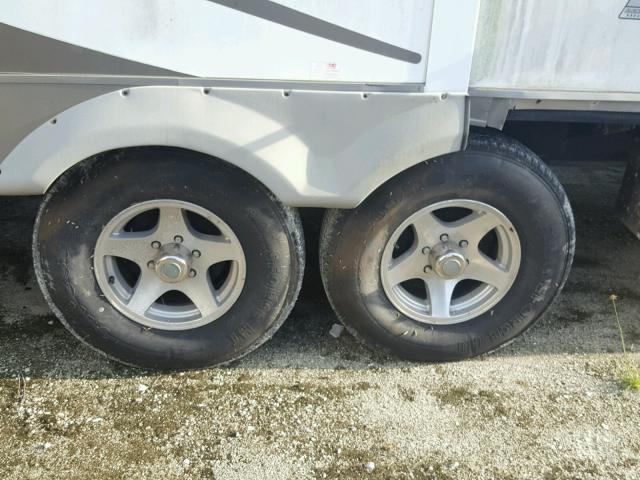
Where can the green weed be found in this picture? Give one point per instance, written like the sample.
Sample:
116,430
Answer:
630,376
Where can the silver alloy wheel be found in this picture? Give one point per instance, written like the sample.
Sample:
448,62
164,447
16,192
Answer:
450,262
174,276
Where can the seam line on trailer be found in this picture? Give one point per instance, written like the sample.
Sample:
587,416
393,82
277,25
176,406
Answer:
138,80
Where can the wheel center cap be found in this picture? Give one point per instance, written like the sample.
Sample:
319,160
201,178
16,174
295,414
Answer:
448,262
170,270
172,265
451,267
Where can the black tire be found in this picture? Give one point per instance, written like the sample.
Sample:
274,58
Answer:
495,170
81,202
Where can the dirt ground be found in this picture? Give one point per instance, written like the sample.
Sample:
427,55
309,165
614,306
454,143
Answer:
307,405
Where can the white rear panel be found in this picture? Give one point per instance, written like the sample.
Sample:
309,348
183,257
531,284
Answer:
558,45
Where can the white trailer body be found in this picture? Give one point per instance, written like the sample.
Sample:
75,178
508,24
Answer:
555,55
162,115
557,46
317,81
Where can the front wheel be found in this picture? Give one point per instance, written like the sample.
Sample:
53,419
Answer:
166,258
454,257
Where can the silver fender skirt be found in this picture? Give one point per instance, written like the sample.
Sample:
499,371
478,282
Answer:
311,148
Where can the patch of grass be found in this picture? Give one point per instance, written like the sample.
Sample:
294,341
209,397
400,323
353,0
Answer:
630,380
490,404
362,386
406,393
440,369
454,395
630,376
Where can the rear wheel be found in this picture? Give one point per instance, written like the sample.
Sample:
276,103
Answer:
464,254
454,257
166,258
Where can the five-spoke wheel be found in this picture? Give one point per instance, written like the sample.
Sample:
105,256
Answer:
450,261
169,264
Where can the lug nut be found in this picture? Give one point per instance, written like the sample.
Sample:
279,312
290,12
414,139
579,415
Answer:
425,250
196,253
427,269
178,239
444,237
192,273
155,244
464,243
151,264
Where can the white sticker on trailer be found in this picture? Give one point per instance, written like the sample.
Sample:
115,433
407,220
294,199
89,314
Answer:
325,71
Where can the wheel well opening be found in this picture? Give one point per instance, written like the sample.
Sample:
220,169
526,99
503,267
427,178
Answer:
147,152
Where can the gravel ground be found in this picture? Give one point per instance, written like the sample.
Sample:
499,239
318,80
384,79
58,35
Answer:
307,405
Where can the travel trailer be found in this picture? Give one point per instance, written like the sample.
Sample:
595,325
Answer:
173,142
